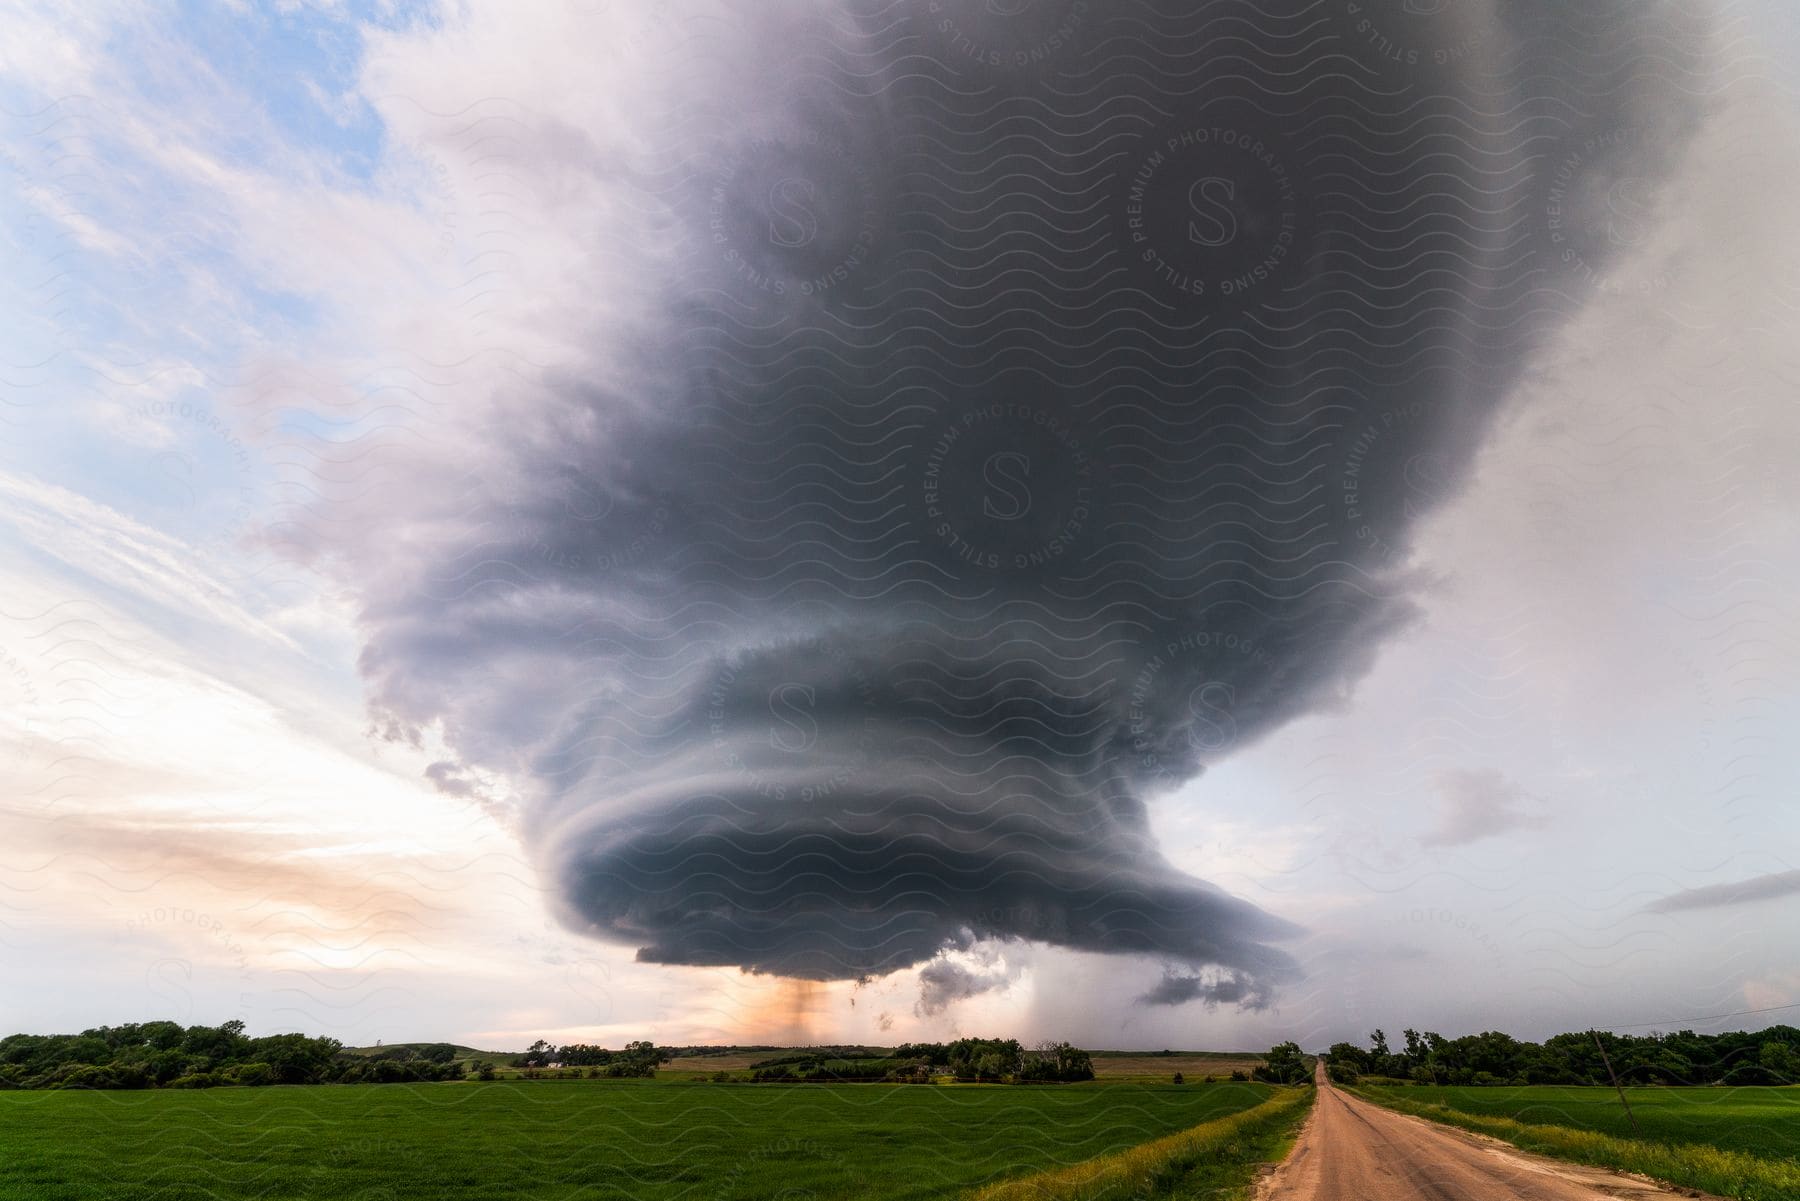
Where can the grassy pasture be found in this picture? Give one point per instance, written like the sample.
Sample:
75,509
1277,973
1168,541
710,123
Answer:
1219,1159
1757,1120
649,1140
1736,1142
1154,1065
735,1061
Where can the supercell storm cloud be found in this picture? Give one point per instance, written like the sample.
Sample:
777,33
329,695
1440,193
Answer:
1018,407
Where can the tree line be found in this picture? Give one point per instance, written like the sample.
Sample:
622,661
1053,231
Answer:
169,1055
973,1060
996,1059
637,1059
1770,1056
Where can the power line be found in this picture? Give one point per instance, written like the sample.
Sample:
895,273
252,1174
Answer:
1716,1017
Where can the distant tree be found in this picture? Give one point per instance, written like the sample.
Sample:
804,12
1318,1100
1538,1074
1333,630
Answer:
1180,1079
983,1058
437,1053
1284,1064
253,1074
86,1075
1780,1061
1052,1061
584,1054
86,1048
294,1058
1073,1064
1347,1057
163,1036
219,1043
645,1052
484,1070
163,1066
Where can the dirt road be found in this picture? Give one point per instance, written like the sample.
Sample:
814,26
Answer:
1351,1150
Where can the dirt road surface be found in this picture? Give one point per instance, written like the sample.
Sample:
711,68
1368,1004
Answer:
1351,1150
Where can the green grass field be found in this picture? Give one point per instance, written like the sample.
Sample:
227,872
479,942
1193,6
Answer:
1760,1121
1217,1160
564,1139
1732,1142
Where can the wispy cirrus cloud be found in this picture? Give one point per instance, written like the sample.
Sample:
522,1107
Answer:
1771,887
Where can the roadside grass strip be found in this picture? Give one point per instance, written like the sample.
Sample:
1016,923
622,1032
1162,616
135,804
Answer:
1206,1159
1710,1169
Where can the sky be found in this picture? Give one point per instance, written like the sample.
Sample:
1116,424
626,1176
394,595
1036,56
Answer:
855,522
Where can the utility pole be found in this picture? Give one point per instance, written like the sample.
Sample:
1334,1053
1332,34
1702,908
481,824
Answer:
1601,1047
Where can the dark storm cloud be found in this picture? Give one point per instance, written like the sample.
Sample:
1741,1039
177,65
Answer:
1177,989
1034,410
943,983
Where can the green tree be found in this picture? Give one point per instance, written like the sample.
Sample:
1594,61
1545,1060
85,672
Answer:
1780,1061
294,1058
1053,1061
254,1074
1284,1064
163,1036
437,1053
1345,1063
1347,1056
